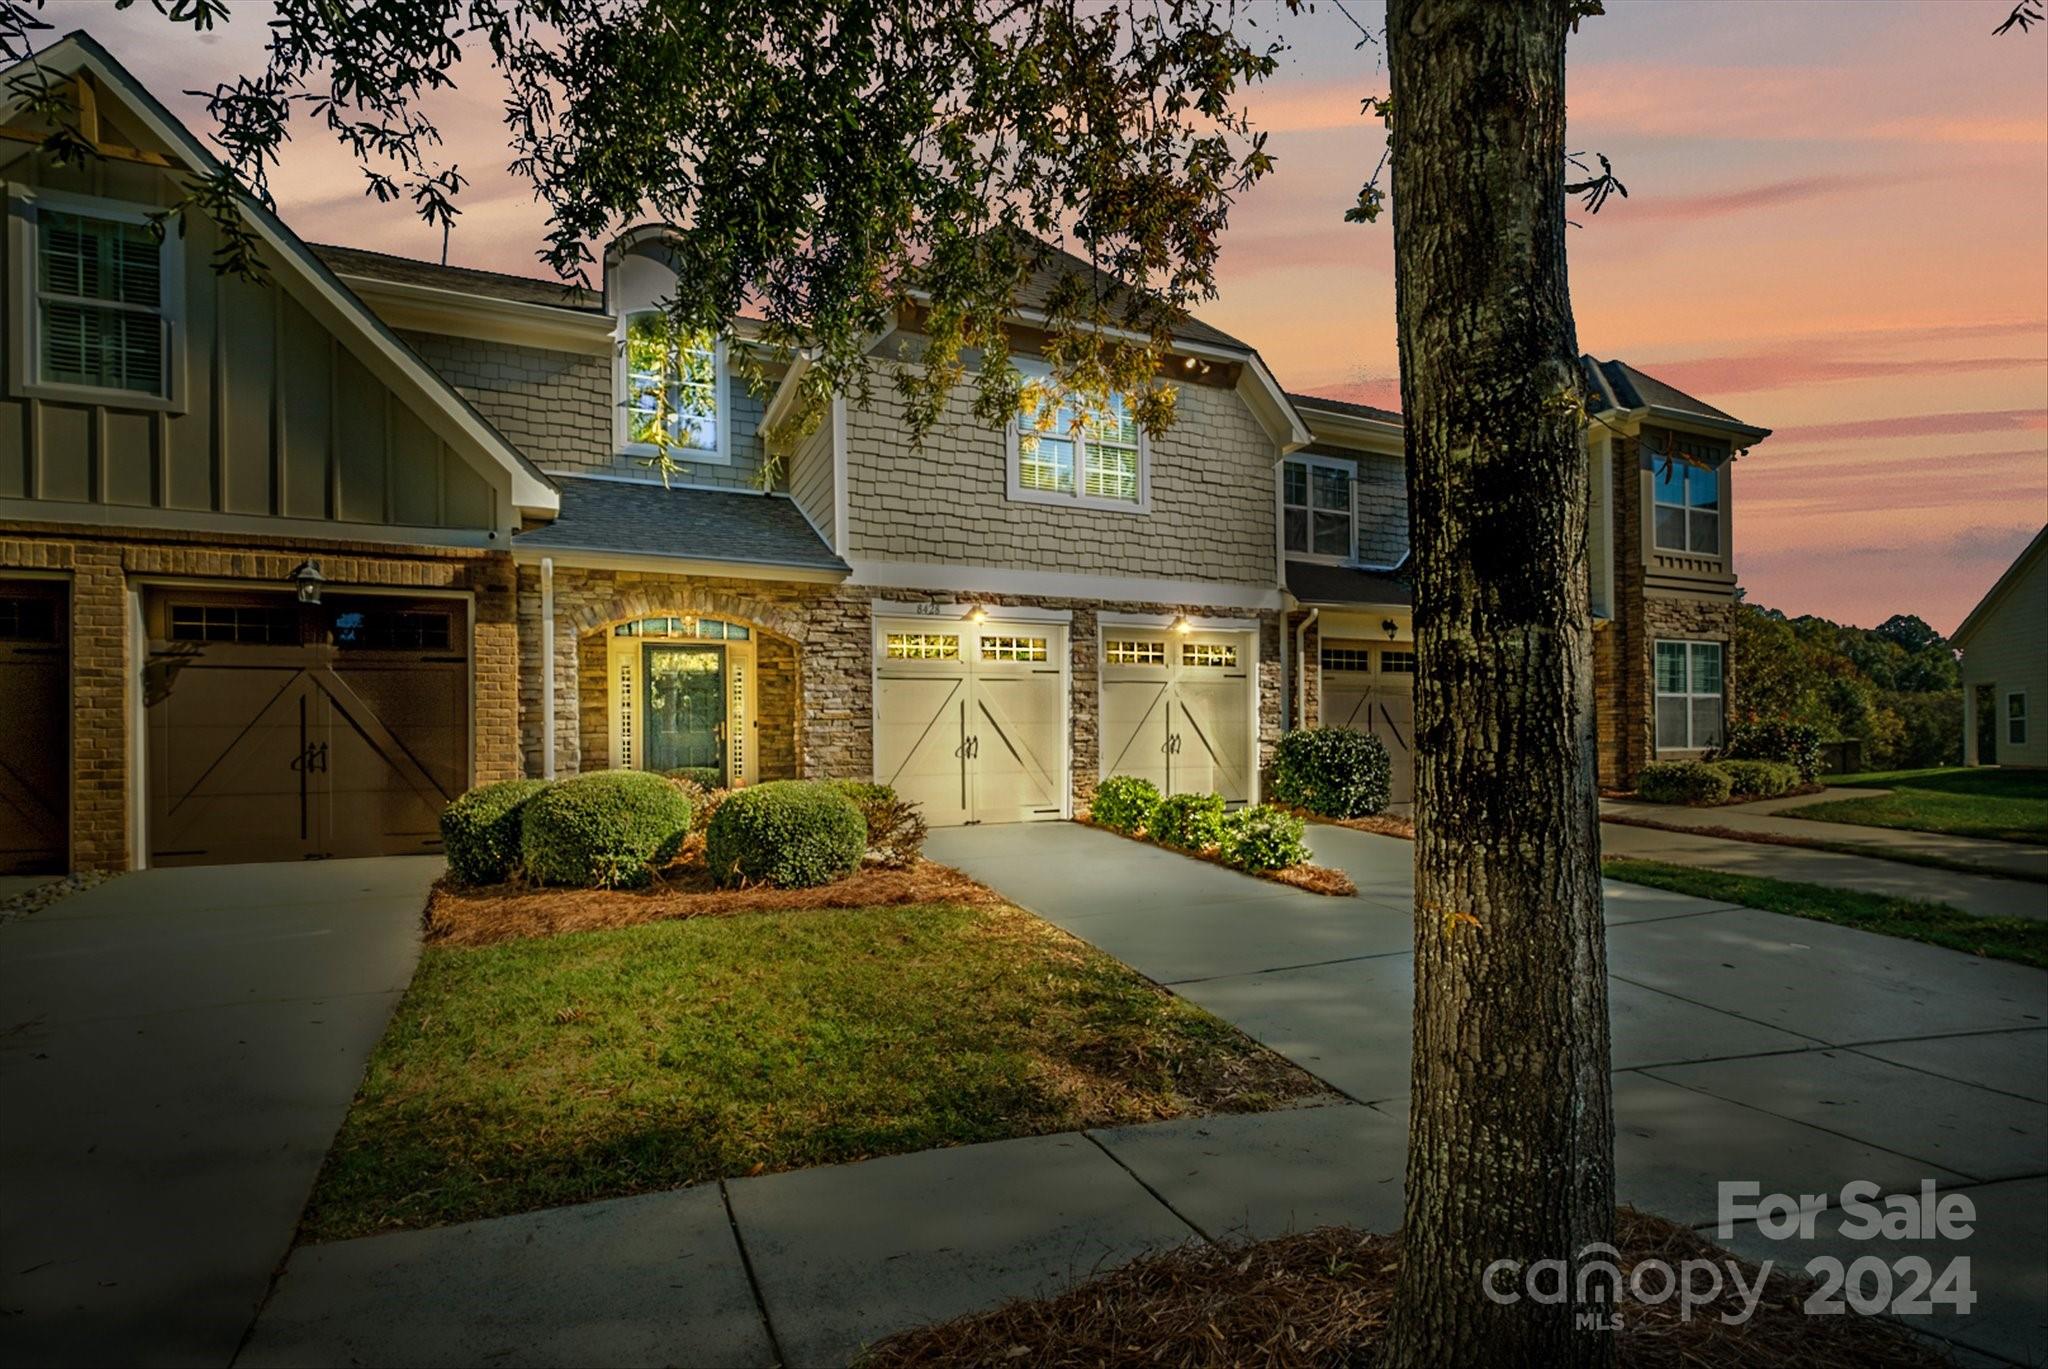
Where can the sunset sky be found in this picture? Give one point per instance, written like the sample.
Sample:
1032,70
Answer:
1837,228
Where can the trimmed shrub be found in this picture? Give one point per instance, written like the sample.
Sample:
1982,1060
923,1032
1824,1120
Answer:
1796,744
1263,838
480,830
1758,779
1682,782
700,822
1332,771
1193,822
1124,803
789,833
603,830
896,829
705,777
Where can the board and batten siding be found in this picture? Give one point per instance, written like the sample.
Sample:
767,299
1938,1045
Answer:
277,416
1212,515
810,479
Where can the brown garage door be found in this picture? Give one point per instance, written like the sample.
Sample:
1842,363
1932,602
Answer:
35,727
282,731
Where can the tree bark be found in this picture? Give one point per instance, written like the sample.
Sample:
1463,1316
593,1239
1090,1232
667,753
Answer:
1510,1134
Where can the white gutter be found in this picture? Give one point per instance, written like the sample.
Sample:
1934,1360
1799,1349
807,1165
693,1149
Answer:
1301,658
547,668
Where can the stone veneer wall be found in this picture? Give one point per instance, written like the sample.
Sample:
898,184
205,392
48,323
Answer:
822,692
99,564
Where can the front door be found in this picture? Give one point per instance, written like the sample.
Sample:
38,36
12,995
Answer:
685,707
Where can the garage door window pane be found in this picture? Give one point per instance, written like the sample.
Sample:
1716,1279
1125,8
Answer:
233,623
1346,658
28,620
1013,648
1397,662
392,630
1134,653
923,646
1208,654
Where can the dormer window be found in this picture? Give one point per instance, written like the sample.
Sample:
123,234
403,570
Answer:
1687,506
673,390
99,296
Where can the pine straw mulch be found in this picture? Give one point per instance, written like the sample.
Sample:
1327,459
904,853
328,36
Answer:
488,914
1378,824
1316,879
1321,1298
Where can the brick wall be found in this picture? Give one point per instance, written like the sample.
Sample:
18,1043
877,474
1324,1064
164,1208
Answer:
102,565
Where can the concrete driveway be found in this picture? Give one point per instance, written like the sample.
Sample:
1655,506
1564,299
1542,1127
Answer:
1747,1045
177,1050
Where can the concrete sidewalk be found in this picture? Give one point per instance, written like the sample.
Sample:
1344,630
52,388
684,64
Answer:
1780,818
1747,1046
1983,895
179,1048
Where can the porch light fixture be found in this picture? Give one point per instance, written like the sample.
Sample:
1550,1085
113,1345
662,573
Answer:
1182,625
309,579
1391,628
977,614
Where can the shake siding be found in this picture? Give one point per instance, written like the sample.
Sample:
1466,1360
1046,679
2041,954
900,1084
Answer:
1212,497
810,479
1382,498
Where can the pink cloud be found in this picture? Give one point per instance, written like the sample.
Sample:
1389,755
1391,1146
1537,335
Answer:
1920,425
1778,369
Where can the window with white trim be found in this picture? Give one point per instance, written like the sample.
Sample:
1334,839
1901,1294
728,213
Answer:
1316,514
2016,718
100,317
1688,695
672,385
1062,449
1686,506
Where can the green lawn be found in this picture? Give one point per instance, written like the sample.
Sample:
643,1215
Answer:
565,1069
2001,938
2006,805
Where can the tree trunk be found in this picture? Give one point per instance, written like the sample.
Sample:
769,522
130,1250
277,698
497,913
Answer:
1510,1133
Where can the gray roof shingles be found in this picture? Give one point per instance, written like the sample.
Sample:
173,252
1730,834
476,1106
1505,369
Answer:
360,261
640,518
1313,582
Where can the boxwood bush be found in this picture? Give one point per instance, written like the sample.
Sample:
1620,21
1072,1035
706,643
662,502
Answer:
789,833
603,830
480,830
1796,744
1193,822
896,829
1332,771
1124,803
1758,779
1682,782
705,777
1263,838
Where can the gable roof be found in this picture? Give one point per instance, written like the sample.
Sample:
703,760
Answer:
1624,387
1056,263
1346,407
2021,564
326,297
502,285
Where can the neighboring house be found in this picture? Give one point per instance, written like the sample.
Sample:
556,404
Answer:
2004,643
285,566
1660,564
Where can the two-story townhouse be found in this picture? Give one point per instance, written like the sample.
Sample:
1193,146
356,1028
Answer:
1660,554
286,564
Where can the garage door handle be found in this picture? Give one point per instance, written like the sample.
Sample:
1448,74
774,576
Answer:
969,748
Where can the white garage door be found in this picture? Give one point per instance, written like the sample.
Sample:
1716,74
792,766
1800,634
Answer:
1371,688
1177,709
971,718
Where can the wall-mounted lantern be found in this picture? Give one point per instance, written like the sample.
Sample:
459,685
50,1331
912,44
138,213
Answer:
309,580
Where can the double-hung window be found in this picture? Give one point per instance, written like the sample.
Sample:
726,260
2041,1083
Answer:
1688,695
100,319
1315,497
1062,449
2016,718
1687,506
672,390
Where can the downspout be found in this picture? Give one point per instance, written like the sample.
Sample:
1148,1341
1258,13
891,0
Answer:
547,667
1301,666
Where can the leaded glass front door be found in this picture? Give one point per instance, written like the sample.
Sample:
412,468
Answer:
684,709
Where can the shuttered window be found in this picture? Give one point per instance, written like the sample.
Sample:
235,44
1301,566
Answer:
99,302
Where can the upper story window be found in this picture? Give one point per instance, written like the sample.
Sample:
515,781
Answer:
1061,451
100,295
673,389
1315,499
1687,506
